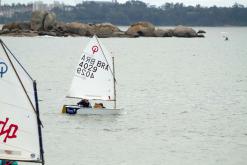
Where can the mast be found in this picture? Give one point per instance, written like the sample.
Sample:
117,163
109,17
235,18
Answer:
114,84
39,122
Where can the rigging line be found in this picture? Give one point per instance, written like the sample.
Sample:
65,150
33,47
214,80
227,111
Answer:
17,60
19,79
106,59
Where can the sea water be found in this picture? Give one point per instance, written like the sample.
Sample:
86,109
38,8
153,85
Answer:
185,100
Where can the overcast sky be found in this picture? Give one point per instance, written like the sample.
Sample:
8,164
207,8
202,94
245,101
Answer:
151,2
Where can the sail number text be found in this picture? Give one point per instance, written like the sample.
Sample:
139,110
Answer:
88,66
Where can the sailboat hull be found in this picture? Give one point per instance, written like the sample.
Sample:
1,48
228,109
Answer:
74,109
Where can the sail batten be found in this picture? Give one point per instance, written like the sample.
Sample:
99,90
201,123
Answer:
19,140
93,77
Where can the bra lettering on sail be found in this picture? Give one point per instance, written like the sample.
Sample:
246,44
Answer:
3,69
7,131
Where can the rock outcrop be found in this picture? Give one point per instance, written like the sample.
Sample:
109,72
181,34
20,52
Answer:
79,29
45,23
49,21
141,29
17,26
37,20
201,31
163,33
105,30
182,31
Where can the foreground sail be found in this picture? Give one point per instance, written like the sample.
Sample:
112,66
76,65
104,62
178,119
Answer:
20,132
94,79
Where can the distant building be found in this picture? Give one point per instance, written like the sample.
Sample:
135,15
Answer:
69,8
101,2
39,5
57,4
9,11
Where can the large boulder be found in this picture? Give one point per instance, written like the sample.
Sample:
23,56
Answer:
182,31
141,29
49,21
37,20
106,30
163,33
79,29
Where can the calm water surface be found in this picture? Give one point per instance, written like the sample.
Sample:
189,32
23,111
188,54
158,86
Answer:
185,100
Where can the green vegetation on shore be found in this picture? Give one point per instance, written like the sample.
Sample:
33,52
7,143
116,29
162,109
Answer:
169,14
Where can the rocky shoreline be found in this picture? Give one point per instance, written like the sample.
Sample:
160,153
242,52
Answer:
45,23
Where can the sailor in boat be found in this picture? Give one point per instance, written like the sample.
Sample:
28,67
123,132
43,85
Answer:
6,162
98,106
94,71
84,103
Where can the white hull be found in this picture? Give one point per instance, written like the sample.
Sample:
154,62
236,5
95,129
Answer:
72,109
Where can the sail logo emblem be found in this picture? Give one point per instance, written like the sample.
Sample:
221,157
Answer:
8,132
3,69
95,49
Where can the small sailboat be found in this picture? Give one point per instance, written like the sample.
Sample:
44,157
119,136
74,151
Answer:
20,125
225,36
94,79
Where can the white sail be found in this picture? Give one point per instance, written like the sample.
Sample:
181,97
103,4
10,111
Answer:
19,135
93,78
